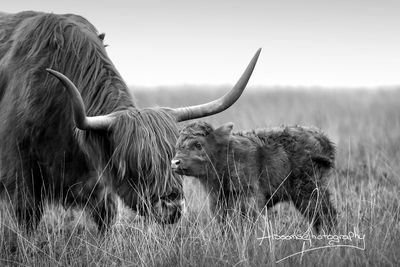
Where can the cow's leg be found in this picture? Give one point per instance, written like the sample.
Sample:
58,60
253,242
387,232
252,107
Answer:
96,199
315,204
28,213
26,198
104,210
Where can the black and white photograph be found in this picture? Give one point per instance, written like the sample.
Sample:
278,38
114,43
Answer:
200,133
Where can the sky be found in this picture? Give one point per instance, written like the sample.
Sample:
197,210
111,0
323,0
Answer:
325,43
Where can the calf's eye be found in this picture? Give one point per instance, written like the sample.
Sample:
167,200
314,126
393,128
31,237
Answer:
197,146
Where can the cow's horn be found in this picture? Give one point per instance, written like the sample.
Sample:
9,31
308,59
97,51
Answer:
81,120
222,103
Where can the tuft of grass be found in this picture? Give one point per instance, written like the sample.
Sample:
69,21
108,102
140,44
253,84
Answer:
365,184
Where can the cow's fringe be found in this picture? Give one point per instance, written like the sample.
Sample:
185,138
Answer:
149,136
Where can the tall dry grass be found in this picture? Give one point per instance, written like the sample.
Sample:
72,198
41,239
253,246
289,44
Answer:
365,125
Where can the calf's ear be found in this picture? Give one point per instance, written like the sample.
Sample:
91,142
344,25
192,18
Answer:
224,129
101,36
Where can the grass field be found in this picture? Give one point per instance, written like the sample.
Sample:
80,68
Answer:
365,125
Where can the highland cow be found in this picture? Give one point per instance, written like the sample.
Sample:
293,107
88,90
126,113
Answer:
263,166
73,134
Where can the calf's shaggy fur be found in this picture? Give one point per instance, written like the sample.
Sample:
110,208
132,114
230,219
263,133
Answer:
259,168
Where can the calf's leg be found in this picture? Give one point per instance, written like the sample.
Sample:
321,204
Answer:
315,204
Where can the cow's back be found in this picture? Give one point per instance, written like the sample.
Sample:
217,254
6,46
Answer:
307,147
8,25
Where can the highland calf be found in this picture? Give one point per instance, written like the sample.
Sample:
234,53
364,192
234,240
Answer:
259,168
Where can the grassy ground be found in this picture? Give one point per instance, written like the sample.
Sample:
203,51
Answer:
365,184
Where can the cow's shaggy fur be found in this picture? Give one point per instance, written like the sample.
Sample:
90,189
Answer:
266,166
42,154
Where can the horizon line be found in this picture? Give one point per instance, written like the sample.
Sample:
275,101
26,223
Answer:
264,87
